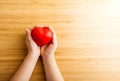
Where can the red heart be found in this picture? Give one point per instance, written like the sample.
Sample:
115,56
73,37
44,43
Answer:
41,35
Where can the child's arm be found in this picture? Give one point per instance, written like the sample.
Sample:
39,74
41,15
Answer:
25,70
51,69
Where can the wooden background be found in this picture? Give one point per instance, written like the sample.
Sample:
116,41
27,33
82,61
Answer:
88,33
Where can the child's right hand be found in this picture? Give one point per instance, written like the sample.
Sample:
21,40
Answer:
49,49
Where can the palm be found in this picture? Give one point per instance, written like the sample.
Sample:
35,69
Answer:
47,49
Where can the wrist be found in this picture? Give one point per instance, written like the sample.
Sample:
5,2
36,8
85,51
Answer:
46,57
49,61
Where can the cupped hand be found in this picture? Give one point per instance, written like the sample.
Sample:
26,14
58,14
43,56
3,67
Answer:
31,45
49,49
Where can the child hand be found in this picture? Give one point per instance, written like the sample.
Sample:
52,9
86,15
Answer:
31,45
49,49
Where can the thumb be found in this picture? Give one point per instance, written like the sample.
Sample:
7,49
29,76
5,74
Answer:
28,32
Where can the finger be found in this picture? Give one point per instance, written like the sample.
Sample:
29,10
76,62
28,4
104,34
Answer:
27,37
28,31
51,29
37,25
41,26
43,47
26,34
54,40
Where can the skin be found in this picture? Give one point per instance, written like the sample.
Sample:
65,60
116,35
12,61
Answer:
47,53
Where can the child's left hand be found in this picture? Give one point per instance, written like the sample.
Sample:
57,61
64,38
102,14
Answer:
31,45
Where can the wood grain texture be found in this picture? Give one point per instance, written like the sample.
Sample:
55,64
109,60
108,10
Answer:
88,33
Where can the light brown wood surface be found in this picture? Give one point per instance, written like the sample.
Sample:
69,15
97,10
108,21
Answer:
88,33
